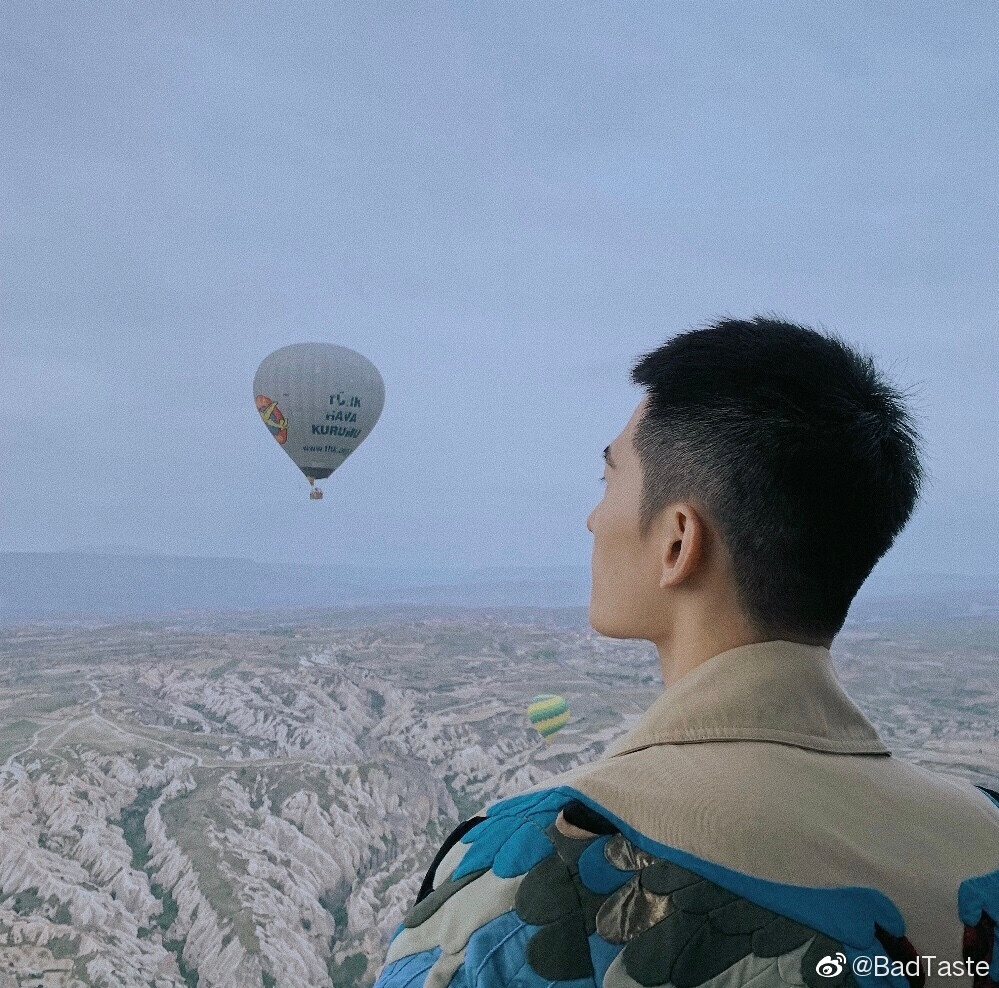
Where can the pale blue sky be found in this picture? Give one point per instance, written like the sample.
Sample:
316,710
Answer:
500,204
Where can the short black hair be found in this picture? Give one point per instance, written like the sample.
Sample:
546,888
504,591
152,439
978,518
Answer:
797,448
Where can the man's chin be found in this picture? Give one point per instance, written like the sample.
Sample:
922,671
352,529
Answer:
603,624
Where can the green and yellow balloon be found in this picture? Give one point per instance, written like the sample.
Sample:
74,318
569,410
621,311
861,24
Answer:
549,713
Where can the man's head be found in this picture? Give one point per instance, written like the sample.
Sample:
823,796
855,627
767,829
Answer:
766,456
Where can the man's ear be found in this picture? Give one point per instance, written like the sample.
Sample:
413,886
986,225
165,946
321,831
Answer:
681,535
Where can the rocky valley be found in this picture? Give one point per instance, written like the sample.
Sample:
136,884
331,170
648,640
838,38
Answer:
227,801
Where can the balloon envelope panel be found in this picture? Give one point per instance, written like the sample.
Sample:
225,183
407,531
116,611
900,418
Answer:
319,401
549,713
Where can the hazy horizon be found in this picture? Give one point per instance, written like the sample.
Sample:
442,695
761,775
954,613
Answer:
881,573
119,588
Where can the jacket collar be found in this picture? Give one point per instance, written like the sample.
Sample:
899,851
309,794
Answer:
778,691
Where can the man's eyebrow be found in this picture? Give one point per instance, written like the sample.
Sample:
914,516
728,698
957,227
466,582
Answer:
608,459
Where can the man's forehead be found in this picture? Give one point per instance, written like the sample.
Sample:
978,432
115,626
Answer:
627,435
636,416
623,443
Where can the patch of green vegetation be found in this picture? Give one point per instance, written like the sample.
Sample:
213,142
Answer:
349,973
287,783
62,915
190,820
332,900
45,703
389,880
27,901
466,806
189,974
219,671
133,825
142,760
213,718
15,735
279,631
377,701
50,704
451,642
169,910
269,980
62,947
80,966
140,859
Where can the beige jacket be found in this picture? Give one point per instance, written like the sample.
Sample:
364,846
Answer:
758,760
754,775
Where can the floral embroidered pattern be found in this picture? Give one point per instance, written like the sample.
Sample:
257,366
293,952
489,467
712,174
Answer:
565,896
680,928
553,896
675,927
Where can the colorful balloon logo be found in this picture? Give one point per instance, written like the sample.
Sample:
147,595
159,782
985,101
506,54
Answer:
273,418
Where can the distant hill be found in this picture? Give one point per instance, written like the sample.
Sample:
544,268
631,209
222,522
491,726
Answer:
40,586
927,597
65,585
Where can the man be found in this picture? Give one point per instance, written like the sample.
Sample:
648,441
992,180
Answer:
752,829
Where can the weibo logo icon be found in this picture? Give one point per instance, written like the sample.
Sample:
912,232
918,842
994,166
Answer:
831,965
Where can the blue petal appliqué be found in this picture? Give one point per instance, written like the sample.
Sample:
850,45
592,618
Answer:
602,955
408,972
495,956
597,873
511,839
486,839
523,850
976,896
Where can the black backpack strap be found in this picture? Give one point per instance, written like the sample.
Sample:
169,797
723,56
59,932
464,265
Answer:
463,828
580,815
991,793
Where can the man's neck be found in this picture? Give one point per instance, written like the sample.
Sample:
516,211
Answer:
692,642
677,658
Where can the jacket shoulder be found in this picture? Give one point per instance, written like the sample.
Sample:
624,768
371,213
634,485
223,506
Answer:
550,888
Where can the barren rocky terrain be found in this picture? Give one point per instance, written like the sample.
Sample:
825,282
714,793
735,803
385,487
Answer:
223,801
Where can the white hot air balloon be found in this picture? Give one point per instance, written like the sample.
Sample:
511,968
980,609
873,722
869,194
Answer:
319,401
